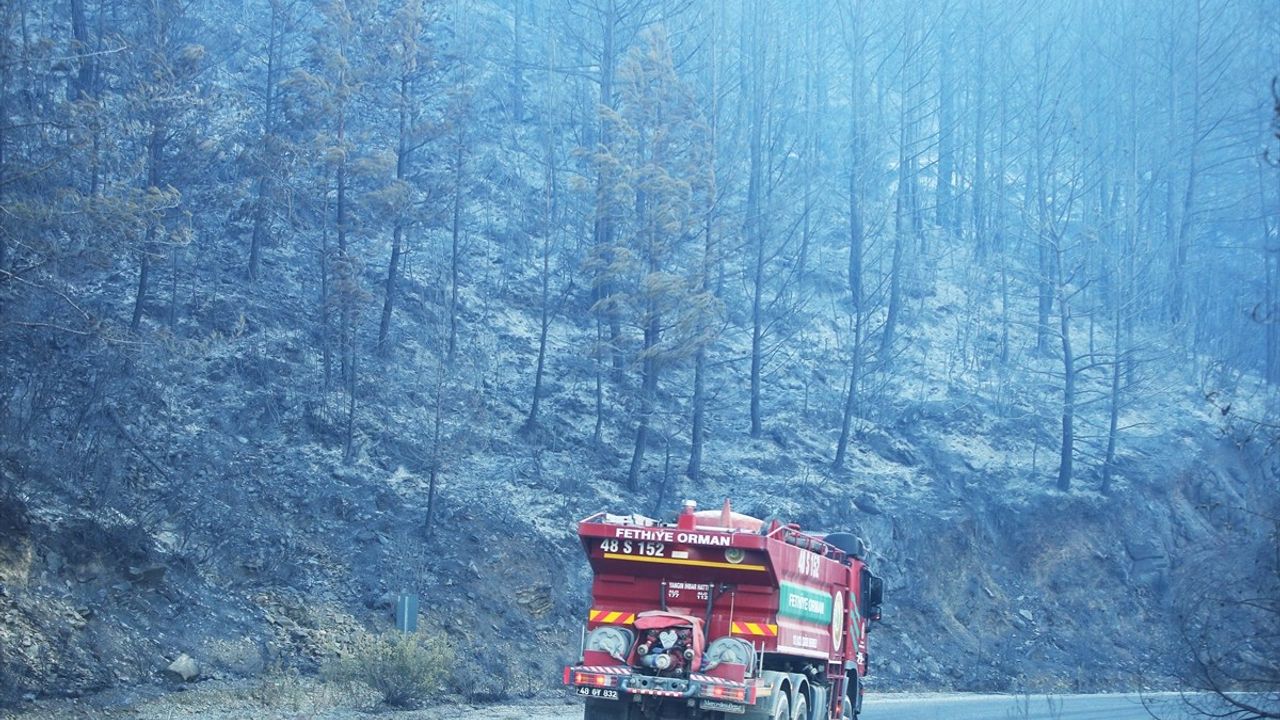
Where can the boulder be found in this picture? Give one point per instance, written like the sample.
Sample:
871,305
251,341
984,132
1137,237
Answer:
149,575
1149,563
890,447
185,668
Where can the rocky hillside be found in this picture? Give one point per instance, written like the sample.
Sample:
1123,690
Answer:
303,304
190,496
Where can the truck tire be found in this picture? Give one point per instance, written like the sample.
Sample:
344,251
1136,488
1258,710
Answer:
802,708
853,700
782,711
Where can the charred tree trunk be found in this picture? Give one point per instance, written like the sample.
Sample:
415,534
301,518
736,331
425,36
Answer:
1270,310
326,327
1113,415
697,431
397,230
544,324
1000,218
517,62
945,213
82,87
5,51
1067,450
433,473
144,271
856,239
1044,256
455,247
603,230
391,287
348,444
901,227
755,221
266,160
981,241
154,142
544,284
597,432
344,261
757,337
648,392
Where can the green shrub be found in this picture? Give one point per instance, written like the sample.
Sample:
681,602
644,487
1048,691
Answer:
404,669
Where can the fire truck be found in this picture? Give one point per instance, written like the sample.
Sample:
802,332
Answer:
722,615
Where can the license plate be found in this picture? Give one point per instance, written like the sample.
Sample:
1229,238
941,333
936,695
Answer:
724,707
595,692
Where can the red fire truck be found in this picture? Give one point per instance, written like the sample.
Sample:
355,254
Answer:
722,615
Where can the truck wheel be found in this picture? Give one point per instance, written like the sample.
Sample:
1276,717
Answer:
783,710
853,700
802,709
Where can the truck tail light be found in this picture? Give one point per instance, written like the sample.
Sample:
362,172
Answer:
723,692
591,679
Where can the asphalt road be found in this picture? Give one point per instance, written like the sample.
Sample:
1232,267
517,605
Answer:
221,701
1033,707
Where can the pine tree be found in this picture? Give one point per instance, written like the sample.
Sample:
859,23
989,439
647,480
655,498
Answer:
414,75
327,94
269,159
657,166
163,101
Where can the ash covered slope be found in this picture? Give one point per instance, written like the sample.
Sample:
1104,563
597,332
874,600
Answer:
252,471
202,505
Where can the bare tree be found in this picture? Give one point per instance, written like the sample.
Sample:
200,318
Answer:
415,65
282,25
710,253
855,47
166,97
550,229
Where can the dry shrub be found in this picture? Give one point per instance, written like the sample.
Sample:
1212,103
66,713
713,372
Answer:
404,669
278,687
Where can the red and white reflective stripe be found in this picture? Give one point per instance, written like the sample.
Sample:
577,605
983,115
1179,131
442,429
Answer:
713,680
604,669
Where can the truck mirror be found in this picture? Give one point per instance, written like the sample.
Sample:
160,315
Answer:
875,597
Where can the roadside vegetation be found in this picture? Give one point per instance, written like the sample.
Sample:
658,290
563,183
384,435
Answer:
403,669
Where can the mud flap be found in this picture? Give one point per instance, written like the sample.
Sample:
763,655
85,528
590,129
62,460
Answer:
766,707
819,702
609,710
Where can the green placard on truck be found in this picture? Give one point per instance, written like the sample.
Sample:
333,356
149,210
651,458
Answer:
802,603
